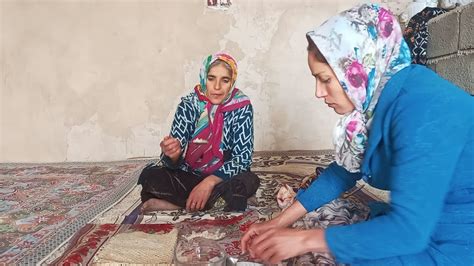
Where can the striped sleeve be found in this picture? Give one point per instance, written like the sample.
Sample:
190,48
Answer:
242,146
182,128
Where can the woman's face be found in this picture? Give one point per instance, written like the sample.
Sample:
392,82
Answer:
218,83
328,86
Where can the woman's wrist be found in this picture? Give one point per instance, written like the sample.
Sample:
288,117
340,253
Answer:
213,180
174,160
277,221
315,240
290,215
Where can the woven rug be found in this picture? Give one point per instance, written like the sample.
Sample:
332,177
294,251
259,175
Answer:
273,168
42,205
88,244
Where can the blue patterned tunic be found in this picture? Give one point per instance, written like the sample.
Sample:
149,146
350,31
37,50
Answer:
238,136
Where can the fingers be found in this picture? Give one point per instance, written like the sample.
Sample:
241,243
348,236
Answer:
194,205
272,251
259,243
270,254
260,237
199,196
254,231
246,239
162,142
192,200
263,251
202,203
196,200
170,146
275,245
189,202
275,258
174,154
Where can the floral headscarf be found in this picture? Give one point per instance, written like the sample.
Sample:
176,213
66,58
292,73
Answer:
364,46
204,152
211,59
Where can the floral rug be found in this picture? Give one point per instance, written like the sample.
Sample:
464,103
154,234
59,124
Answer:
43,205
273,168
87,242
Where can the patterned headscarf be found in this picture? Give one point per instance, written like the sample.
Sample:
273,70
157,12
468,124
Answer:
364,46
204,153
416,33
228,59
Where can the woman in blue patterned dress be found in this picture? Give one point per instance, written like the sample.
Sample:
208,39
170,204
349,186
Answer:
209,150
404,129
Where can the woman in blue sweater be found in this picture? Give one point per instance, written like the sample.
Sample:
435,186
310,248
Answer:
404,129
209,150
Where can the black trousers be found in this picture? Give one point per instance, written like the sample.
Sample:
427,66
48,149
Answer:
175,186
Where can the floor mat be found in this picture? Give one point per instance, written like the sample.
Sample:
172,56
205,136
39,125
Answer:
273,168
89,245
42,205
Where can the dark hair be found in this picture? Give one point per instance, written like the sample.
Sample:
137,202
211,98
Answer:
312,48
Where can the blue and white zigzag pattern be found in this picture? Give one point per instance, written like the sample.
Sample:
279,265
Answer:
238,135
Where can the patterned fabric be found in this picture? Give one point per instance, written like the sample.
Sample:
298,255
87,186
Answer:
286,194
205,130
364,47
91,237
207,157
42,205
341,211
86,247
204,153
416,33
175,185
127,248
273,168
211,59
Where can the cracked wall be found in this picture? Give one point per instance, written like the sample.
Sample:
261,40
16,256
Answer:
93,81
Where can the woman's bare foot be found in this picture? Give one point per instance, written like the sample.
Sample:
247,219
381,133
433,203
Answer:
157,205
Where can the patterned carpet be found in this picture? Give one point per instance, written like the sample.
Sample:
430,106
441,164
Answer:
42,205
91,197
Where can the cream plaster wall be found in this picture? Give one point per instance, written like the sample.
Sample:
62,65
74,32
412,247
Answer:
100,80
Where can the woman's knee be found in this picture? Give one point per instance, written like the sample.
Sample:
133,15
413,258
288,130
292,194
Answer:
152,174
249,180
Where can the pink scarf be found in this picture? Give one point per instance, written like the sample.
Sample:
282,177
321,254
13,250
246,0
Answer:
204,152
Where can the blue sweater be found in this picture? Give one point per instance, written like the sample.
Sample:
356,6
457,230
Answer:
421,148
237,132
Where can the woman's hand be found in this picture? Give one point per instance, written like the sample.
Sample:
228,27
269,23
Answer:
171,147
286,218
200,194
254,231
278,244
